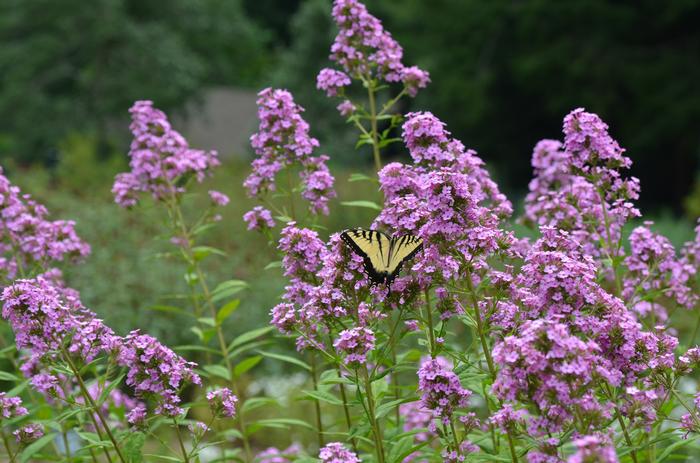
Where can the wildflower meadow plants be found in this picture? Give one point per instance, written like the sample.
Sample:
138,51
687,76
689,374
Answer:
566,347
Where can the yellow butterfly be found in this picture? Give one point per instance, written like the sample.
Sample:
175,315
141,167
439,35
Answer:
383,255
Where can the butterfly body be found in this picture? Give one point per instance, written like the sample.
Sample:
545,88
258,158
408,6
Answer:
383,255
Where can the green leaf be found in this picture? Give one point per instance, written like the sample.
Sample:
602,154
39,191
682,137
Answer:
106,391
385,408
217,370
273,264
207,321
401,449
5,376
227,289
35,446
283,423
202,252
246,365
323,397
671,448
286,358
367,204
170,309
256,402
132,447
226,311
359,177
249,336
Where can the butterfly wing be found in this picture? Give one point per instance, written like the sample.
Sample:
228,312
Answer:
374,248
403,248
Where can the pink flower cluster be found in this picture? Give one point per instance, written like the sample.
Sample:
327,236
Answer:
283,140
275,455
28,433
447,198
578,185
596,448
11,407
222,402
156,371
335,452
441,391
27,238
161,160
366,51
654,269
354,344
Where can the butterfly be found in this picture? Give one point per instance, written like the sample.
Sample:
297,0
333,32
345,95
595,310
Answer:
383,255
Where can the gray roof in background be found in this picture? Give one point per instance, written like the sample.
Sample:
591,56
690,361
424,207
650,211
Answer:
222,120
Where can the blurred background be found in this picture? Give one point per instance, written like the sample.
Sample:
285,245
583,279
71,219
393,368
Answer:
504,74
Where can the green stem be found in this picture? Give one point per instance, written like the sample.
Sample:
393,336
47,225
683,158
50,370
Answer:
6,441
64,436
621,421
376,430
608,234
487,353
212,310
373,121
185,458
695,332
88,399
429,318
317,404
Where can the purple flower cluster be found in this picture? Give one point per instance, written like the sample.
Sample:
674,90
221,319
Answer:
42,320
156,371
596,448
259,219
569,336
28,238
222,402
546,365
275,455
28,433
366,51
578,185
10,407
652,268
160,158
335,452
283,140
447,198
441,391
354,344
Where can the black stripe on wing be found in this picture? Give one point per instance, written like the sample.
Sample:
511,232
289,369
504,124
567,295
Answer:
376,277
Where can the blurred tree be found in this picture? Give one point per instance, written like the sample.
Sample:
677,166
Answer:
505,73
74,65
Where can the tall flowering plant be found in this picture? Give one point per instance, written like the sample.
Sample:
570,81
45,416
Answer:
566,348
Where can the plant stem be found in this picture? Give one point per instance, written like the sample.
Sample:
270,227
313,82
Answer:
487,353
373,121
317,405
6,441
613,256
185,458
212,310
695,332
93,405
429,318
372,418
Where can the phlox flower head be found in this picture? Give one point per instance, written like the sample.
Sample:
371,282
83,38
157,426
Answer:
354,344
259,219
160,158
283,140
275,455
593,448
335,452
441,391
28,433
10,407
28,237
364,50
222,402
154,370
